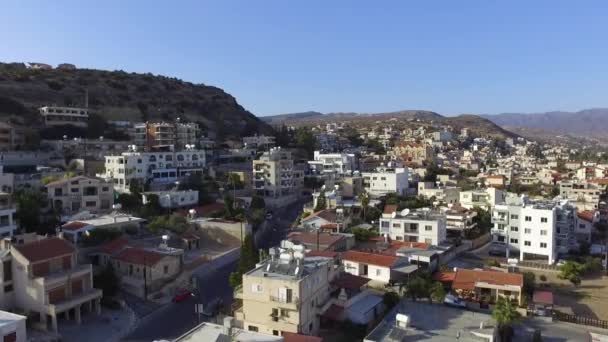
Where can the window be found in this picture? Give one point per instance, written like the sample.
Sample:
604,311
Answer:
383,178
514,229
501,227
275,332
257,288
384,224
166,269
543,232
378,272
396,225
500,238
105,189
543,220
284,313
58,192
527,243
74,190
90,203
253,328
543,245
514,241
528,218
514,217
428,228
527,231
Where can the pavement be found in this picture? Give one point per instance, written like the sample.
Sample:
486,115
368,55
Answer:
554,331
174,319
111,325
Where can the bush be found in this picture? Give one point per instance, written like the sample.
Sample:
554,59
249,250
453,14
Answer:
54,85
390,299
543,277
492,263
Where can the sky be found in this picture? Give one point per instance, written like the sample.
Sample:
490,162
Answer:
287,56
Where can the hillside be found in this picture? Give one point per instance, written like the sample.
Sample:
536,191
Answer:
589,122
118,95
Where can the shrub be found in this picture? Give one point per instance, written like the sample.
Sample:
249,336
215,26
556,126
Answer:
543,277
390,299
54,85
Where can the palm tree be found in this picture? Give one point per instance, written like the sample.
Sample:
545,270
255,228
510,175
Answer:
437,292
505,314
364,199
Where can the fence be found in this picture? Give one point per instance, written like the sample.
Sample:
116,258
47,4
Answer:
570,318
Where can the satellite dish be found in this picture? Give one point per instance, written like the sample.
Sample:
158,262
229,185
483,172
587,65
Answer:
394,214
404,212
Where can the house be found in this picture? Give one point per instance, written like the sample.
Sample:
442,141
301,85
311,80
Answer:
7,214
10,136
12,327
259,141
379,268
59,116
72,195
459,220
172,199
414,226
385,181
325,219
479,284
322,241
585,223
44,278
74,231
284,294
483,198
150,135
337,164
496,181
211,332
414,152
274,176
442,194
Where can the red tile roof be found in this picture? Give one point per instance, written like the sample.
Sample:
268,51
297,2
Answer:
74,225
114,246
293,337
139,256
45,249
586,215
370,258
543,297
327,254
349,281
466,279
309,238
444,277
390,208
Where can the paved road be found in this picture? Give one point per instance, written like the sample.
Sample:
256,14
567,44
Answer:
174,319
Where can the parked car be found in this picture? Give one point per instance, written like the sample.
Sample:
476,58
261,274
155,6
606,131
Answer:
182,295
452,300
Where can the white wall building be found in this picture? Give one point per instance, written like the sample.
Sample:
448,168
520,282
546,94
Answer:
173,198
385,181
12,327
7,213
444,194
483,198
54,116
414,226
335,163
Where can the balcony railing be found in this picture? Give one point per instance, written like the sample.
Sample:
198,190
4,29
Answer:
61,276
295,301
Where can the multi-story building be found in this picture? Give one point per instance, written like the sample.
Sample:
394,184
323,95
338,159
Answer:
72,195
413,152
385,181
259,141
156,167
536,229
459,220
333,163
56,116
443,194
10,136
414,226
7,215
172,199
483,198
155,134
286,293
42,276
582,194
274,175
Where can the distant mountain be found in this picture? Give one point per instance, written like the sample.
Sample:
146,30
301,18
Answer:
588,122
316,116
272,119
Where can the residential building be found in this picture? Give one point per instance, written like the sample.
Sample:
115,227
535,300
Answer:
537,229
333,163
442,194
459,220
210,332
74,230
414,152
155,167
381,269
475,285
497,181
172,199
10,136
320,241
414,226
42,276
57,116
384,181
7,215
12,327
259,141
150,135
483,198
141,270
285,294
585,224
327,219
274,175
582,194
72,195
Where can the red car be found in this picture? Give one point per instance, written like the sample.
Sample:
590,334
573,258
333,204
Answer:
182,295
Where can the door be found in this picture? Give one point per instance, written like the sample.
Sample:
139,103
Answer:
364,269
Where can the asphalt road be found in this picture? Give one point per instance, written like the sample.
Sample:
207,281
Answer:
174,319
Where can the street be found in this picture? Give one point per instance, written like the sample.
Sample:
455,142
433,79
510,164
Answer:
174,319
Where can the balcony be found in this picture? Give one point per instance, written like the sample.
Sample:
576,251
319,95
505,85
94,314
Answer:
74,301
284,302
59,277
500,219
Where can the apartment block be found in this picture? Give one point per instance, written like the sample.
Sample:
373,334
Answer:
57,116
582,194
286,293
274,175
535,229
384,181
10,136
414,226
7,215
333,163
173,199
72,195
413,152
259,141
150,135
483,198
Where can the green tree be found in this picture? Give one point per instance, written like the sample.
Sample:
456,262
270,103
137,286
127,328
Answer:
417,288
505,313
529,283
362,235
173,223
364,199
29,203
571,271
437,292
248,259
107,281
390,299
306,141
321,202
483,219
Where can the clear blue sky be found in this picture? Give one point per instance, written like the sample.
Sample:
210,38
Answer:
367,56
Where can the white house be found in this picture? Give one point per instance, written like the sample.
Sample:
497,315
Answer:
385,181
378,268
7,212
12,327
483,198
414,226
335,163
173,198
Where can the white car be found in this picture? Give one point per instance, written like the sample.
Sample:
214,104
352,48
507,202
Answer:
452,300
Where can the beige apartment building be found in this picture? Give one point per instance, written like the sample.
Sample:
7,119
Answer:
58,116
42,276
274,175
72,195
286,293
153,134
413,152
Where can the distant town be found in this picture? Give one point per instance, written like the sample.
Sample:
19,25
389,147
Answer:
405,229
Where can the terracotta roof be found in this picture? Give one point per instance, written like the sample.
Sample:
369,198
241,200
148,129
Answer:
586,215
327,254
326,214
496,177
600,181
114,246
390,208
543,297
293,337
310,238
370,258
466,279
139,256
444,277
74,225
45,249
349,281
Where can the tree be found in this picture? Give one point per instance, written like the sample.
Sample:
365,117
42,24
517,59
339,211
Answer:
306,141
321,201
107,281
249,258
505,314
529,283
257,202
417,288
364,199
28,212
362,235
571,271
173,223
390,299
437,292
483,219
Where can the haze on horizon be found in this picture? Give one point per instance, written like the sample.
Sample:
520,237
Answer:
342,56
